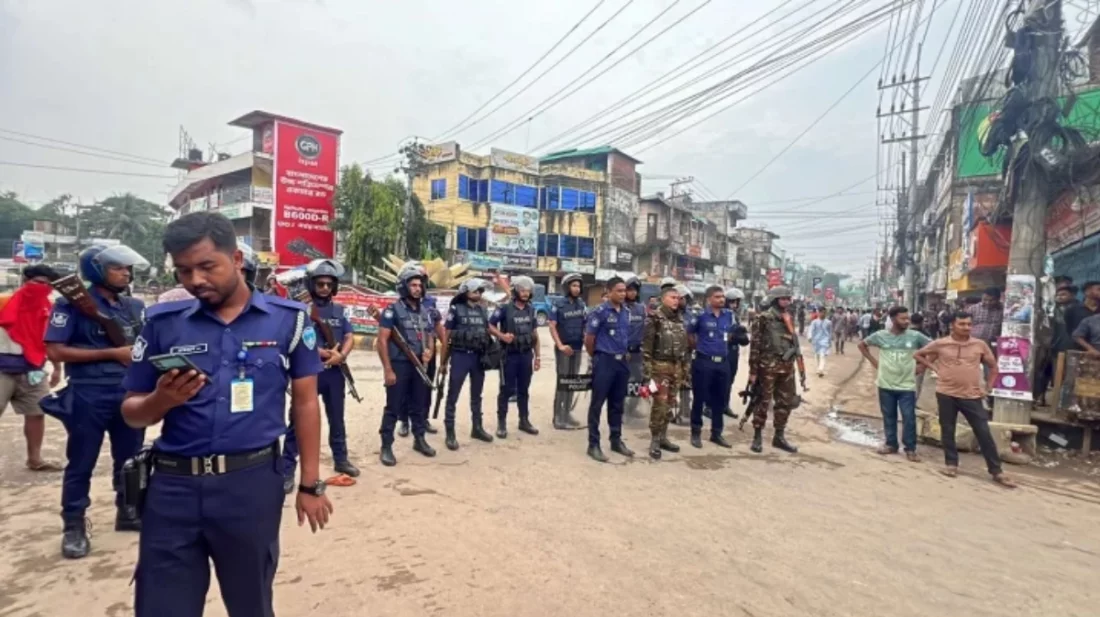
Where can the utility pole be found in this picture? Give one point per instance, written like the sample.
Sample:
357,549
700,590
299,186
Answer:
1026,251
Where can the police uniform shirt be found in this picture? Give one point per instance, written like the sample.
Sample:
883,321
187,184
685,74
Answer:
335,316
415,326
526,313
433,310
69,326
611,328
637,323
271,343
563,313
712,332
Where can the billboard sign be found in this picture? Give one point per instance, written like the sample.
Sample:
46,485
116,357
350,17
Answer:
514,161
513,230
817,285
775,277
440,153
306,164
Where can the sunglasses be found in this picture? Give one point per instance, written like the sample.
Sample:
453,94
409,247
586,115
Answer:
324,284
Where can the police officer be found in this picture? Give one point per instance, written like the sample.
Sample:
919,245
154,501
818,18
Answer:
687,312
215,493
567,329
637,312
770,375
406,391
666,353
323,282
738,339
95,368
514,324
467,342
430,367
607,339
709,333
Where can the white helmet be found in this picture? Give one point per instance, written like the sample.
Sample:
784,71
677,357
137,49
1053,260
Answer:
474,284
734,293
522,282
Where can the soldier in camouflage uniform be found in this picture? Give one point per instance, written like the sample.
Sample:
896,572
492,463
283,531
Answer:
687,311
665,355
772,377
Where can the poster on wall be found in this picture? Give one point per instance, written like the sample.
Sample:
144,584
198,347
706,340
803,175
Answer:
1019,304
817,285
775,277
305,175
1013,379
513,230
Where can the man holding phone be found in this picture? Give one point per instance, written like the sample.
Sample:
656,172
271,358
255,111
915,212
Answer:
215,493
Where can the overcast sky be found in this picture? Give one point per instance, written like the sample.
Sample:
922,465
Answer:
124,75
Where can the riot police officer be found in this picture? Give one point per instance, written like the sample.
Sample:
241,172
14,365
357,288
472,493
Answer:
215,493
567,330
95,367
437,326
709,333
514,324
467,342
637,312
607,339
406,391
323,282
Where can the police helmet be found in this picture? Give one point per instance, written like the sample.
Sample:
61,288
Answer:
324,267
522,282
411,270
569,278
472,285
633,281
776,293
95,260
685,293
734,293
668,281
250,264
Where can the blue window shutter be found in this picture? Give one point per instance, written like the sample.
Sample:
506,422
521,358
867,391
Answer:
526,196
570,199
463,187
553,199
551,245
483,191
541,248
482,239
460,238
586,248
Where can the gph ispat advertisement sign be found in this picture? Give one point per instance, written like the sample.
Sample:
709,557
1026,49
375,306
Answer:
306,164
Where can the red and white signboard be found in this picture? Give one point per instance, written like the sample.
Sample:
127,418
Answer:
775,277
306,165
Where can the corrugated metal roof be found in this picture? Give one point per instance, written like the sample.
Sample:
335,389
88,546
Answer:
577,152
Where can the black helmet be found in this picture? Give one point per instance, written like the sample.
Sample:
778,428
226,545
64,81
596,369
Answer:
324,267
633,281
250,265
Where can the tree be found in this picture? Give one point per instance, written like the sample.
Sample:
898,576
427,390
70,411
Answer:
132,221
15,218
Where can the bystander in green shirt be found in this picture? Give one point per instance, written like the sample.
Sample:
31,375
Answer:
897,370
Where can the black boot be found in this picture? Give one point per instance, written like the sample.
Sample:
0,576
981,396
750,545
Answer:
526,426
387,457
403,428
572,422
559,420
655,448
729,413
780,441
127,519
288,484
719,440
596,454
478,432
667,445
617,445
696,440
757,440
452,442
74,542
346,468
502,428
429,428
421,445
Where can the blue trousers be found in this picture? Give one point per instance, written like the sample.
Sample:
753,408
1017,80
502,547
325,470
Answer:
609,380
516,379
406,398
905,401
430,370
464,364
733,359
232,520
96,410
332,388
710,386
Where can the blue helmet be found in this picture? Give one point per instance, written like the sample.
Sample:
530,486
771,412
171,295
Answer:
95,260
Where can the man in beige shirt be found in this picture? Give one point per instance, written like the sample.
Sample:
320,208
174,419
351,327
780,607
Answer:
957,361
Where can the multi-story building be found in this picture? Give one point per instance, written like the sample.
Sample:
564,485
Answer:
756,255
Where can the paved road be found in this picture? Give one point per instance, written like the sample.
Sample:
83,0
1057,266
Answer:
530,526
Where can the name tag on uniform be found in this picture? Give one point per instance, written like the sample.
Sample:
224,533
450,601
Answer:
241,396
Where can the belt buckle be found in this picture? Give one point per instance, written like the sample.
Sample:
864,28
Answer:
208,467
619,356
717,359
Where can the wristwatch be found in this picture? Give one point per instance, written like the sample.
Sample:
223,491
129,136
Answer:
316,489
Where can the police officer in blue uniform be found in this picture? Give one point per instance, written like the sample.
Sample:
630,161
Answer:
437,326
514,324
216,491
323,282
709,333
567,329
637,330
467,341
406,391
607,339
93,398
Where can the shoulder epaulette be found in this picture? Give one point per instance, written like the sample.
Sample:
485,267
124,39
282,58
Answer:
168,308
286,302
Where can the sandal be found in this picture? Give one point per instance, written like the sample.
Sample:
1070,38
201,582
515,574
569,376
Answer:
950,472
1004,481
340,480
886,450
913,457
44,466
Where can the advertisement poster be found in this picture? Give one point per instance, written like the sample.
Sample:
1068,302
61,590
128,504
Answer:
775,277
817,285
356,306
1012,362
305,176
1019,305
830,295
513,230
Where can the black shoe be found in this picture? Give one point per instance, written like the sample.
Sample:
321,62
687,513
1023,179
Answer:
421,445
452,442
620,447
655,448
696,440
559,422
757,440
502,429
571,422
387,457
288,485
526,426
431,430
127,519
596,454
780,441
74,542
346,468
667,445
719,440
729,413
402,429
479,433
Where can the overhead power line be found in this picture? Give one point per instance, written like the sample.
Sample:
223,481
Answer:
76,151
105,172
76,145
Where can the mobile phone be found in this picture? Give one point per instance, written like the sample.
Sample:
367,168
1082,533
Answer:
169,361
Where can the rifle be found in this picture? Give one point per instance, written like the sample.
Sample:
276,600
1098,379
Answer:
403,345
439,387
330,339
749,396
72,288
795,352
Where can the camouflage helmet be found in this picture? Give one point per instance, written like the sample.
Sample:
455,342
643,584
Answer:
776,293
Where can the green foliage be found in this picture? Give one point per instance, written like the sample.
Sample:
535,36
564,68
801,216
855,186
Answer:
132,221
15,217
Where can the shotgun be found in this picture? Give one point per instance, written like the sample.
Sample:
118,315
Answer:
399,339
73,290
330,340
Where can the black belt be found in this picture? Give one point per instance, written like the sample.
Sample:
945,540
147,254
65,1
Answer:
635,348
462,350
214,465
617,356
714,359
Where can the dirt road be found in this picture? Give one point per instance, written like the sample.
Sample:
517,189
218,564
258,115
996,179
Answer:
530,526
